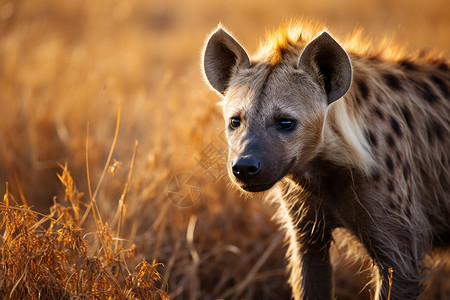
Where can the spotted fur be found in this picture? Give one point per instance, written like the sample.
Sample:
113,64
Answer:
371,157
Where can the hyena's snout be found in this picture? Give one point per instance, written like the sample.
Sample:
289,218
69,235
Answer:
248,172
245,168
252,172
255,172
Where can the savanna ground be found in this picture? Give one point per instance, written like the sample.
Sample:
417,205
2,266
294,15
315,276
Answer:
68,67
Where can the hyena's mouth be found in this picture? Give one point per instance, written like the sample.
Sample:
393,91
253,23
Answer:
260,187
257,188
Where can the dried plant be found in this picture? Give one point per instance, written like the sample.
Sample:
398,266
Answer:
48,256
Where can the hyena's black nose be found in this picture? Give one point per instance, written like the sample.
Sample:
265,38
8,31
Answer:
246,167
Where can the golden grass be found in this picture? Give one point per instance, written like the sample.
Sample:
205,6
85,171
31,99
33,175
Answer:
67,64
48,256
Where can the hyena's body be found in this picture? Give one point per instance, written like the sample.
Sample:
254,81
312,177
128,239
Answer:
364,143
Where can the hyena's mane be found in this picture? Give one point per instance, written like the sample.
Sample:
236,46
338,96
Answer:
285,44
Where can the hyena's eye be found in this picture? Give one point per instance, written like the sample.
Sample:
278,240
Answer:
286,124
235,122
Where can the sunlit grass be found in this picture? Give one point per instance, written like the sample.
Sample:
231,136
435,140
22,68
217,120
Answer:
49,257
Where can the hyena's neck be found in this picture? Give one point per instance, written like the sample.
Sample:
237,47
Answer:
343,139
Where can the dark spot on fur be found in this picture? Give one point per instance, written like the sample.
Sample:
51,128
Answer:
406,170
376,176
389,163
436,129
407,115
371,138
390,141
408,213
396,127
390,185
380,99
442,86
363,89
427,92
378,112
430,135
392,205
392,81
407,64
398,155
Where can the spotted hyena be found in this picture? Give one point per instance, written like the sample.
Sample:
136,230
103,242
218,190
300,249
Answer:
361,138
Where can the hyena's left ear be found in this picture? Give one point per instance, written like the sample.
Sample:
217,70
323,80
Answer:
324,58
222,56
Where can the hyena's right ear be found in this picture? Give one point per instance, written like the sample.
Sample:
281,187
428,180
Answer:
222,56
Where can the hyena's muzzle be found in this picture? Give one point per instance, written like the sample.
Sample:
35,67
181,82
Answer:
258,165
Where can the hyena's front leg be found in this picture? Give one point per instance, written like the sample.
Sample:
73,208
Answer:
402,250
310,237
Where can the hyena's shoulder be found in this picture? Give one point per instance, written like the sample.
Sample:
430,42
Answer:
402,108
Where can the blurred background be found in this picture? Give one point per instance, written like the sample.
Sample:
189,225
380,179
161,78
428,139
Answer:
67,66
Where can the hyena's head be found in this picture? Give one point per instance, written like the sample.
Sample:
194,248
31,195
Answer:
274,107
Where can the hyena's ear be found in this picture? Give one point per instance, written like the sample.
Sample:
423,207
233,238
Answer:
325,58
222,56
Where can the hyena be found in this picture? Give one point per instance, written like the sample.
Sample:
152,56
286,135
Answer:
362,140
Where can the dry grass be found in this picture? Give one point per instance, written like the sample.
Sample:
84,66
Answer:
66,64
48,256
